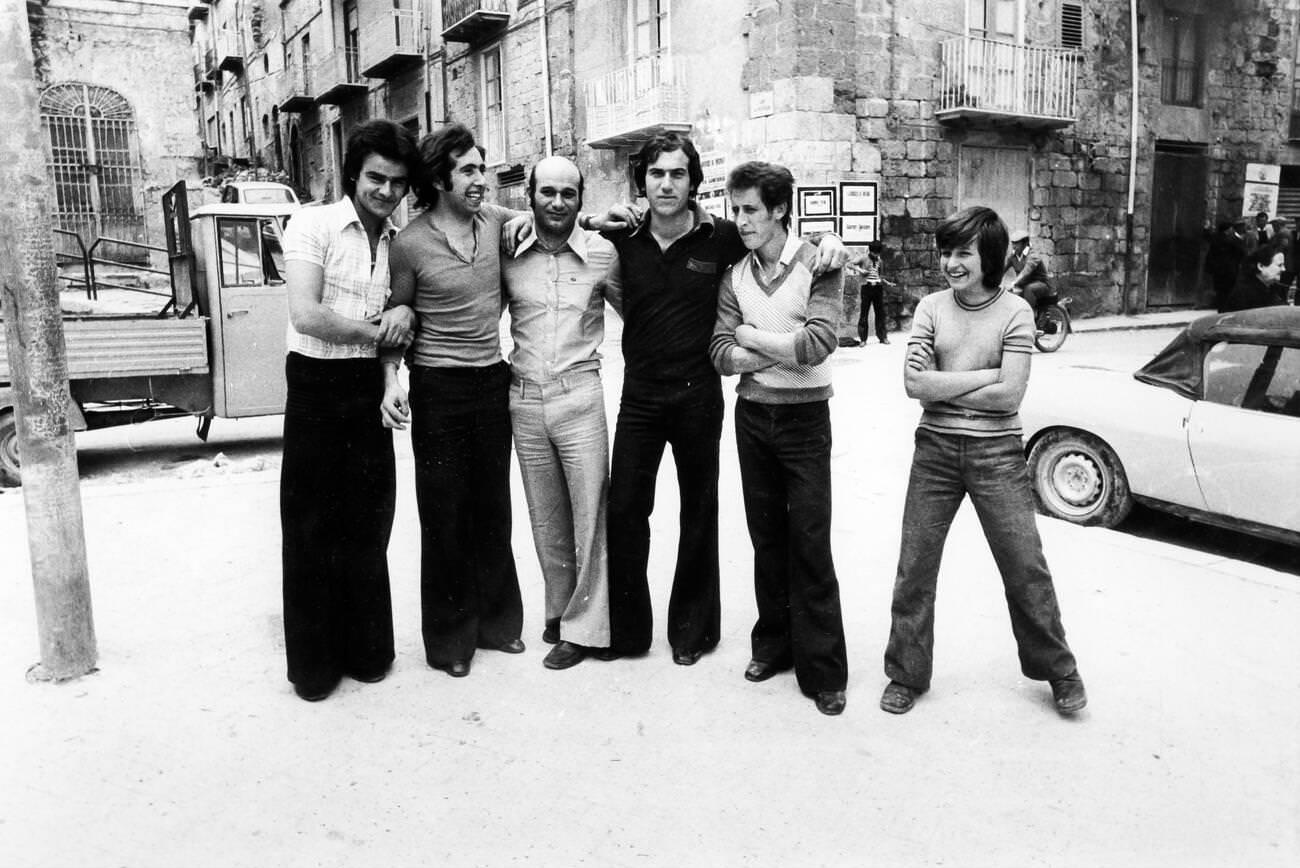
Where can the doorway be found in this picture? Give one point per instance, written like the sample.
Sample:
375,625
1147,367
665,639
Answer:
1177,221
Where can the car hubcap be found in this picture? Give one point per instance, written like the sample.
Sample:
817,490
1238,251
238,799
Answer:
1076,480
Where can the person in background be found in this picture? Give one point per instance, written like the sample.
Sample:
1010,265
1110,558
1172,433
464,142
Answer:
1260,282
1030,273
337,479
872,291
968,365
776,329
1223,260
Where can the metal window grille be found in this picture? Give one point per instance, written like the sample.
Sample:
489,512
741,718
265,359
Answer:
93,158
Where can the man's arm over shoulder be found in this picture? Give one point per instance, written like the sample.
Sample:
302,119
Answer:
816,340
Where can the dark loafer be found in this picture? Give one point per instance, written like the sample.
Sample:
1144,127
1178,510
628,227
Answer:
372,677
687,658
456,668
898,698
760,670
830,702
315,692
564,655
551,634
1069,694
510,646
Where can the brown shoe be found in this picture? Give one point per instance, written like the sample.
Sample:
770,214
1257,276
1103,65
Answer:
898,698
830,702
564,655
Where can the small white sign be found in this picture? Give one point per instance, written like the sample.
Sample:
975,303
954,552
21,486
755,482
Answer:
762,103
1263,173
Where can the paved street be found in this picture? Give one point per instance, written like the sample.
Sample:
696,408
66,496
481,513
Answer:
189,748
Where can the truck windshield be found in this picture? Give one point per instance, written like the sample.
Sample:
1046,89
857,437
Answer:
240,251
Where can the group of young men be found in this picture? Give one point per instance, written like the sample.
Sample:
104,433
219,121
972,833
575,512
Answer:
699,297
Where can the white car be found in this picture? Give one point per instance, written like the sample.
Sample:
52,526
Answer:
1208,429
259,193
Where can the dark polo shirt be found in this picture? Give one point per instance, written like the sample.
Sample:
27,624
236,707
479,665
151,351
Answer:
670,297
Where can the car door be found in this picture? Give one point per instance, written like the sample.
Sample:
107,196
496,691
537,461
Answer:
1245,433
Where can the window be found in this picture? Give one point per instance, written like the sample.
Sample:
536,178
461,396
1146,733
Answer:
494,123
1181,60
1071,25
1294,131
993,19
649,20
1254,377
240,252
352,40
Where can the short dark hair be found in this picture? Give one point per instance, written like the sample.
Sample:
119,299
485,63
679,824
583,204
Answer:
532,184
385,138
774,183
1260,257
660,144
439,151
984,227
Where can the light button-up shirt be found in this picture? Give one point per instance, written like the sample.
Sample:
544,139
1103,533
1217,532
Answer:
557,305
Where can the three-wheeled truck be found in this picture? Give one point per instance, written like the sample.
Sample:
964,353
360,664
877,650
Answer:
216,347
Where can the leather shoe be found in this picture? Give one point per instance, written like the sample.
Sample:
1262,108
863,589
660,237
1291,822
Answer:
760,670
687,658
830,702
1069,693
456,668
314,692
369,677
510,646
551,634
605,654
898,698
564,655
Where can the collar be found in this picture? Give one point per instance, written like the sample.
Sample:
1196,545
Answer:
345,215
704,222
577,242
788,253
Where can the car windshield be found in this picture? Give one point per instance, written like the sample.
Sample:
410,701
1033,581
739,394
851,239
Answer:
267,196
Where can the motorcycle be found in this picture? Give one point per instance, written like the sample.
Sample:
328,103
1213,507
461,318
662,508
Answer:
1052,325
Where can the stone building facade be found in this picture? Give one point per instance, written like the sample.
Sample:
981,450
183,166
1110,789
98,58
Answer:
1027,105
119,125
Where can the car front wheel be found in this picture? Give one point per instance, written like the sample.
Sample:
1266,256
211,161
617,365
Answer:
1078,478
9,472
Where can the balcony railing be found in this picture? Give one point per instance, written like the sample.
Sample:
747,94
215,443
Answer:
296,89
339,76
986,81
198,11
230,57
632,103
471,20
393,47
202,83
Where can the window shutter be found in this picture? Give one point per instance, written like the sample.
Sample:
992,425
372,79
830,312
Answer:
1072,25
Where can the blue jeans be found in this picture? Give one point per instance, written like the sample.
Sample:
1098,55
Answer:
653,414
460,434
945,468
785,473
562,444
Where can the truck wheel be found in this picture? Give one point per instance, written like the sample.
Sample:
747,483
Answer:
9,473
1078,478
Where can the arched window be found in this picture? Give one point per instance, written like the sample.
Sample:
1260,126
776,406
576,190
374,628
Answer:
92,155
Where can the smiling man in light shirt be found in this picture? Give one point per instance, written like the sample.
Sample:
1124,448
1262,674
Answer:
556,292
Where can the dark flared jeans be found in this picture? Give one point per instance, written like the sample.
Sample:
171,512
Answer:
688,416
872,298
945,468
337,495
785,471
460,434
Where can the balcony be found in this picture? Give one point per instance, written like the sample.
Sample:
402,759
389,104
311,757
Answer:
230,57
395,46
631,104
339,78
296,89
987,83
198,10
471,21
202,83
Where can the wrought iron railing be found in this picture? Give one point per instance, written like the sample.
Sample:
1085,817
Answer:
1004,78
649,91
455,11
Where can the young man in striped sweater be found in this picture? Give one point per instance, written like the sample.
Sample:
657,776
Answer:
776,329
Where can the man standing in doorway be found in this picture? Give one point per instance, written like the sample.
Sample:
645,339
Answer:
776,328
556,291
668,273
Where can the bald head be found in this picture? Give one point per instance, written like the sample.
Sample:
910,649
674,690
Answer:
555,195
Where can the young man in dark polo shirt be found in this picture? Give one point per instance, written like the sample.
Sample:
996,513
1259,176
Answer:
670,266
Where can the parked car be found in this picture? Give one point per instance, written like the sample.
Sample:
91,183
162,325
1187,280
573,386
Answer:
1208,429
258,193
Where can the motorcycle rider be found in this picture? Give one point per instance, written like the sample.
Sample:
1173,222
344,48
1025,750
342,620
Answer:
1030,273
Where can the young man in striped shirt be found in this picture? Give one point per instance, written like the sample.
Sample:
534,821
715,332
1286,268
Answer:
968,365
776,329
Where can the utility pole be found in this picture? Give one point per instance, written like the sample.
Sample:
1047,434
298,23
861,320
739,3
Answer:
38,361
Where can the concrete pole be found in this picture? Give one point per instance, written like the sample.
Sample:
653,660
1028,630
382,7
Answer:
38,361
